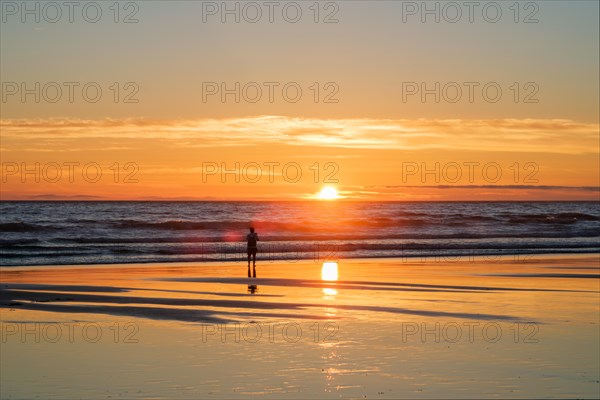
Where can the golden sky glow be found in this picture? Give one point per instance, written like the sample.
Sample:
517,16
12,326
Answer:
271,157
196,129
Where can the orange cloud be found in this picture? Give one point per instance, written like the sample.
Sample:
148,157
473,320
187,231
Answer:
170,155
517,135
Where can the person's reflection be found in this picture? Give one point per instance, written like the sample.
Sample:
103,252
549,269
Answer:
252,289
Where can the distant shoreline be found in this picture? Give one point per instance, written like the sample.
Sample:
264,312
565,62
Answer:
285,201
502,259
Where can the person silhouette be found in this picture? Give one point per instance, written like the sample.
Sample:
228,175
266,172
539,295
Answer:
252,239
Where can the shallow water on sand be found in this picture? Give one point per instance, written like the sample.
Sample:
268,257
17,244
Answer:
379,329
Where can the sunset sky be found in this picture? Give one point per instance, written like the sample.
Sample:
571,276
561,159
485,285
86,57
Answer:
358,126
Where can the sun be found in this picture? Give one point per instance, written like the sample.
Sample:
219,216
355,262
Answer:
328,193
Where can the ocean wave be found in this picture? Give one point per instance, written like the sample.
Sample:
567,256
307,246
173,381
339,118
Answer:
23,227
312,227
89,233
560,218
18,242
299,247
241,226
449,256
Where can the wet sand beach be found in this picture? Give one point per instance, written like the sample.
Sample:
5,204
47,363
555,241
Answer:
364,328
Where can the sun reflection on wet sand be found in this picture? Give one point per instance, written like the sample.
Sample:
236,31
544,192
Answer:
329,272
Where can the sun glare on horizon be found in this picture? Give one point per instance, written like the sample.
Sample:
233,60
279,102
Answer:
328,193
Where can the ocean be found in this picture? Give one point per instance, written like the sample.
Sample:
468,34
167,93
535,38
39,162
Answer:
88,232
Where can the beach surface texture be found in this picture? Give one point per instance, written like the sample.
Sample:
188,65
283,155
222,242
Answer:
511,326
